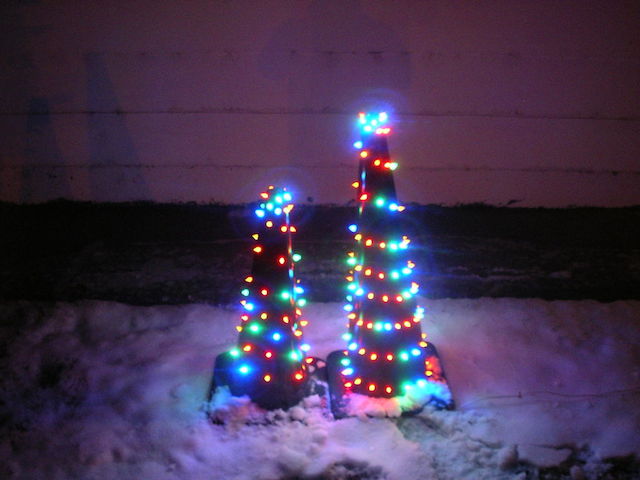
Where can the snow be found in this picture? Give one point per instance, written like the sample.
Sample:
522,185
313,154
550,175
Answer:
97,390
362,405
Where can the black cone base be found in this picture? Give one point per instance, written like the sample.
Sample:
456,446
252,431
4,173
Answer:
337,392
339,395
270,396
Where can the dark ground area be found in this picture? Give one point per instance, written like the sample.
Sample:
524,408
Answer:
145,253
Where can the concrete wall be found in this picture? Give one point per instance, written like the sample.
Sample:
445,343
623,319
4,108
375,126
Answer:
532,103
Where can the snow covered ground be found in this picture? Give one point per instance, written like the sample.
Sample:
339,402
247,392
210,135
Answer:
103,390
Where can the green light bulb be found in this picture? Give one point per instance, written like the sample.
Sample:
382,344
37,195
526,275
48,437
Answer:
254,328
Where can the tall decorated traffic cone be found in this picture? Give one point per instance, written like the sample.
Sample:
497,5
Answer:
387,355
269,363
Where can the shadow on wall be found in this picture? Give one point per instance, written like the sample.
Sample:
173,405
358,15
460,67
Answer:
37,168
37,159
42,150
333,58
115,172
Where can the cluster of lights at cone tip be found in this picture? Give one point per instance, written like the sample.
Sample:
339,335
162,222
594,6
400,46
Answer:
370,341
262,335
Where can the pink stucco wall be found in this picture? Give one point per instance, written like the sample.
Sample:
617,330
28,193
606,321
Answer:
531,103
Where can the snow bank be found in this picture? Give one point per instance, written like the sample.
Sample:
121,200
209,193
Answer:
105,390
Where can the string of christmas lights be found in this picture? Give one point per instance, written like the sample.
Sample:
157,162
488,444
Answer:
387,354
270,362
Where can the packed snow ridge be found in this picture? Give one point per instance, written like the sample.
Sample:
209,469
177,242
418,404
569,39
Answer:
97,390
